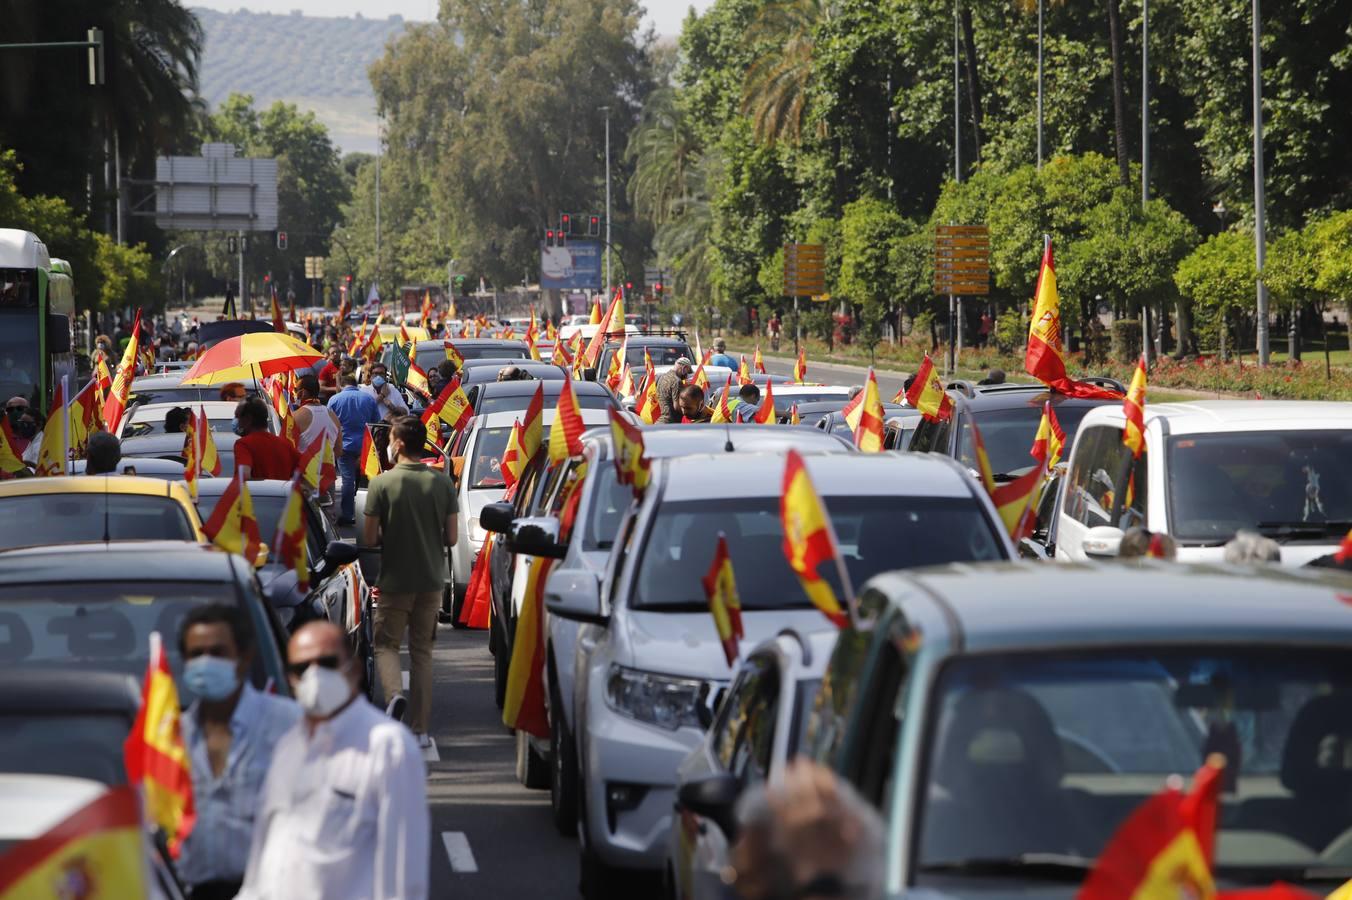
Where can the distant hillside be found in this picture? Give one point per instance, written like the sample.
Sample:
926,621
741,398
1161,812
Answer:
317,63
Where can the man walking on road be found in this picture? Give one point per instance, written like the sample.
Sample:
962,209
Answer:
669,387
721,357
410,515
259,453
344,807
355,411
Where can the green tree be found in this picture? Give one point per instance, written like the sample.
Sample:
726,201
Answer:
869,230
778,84
1218,279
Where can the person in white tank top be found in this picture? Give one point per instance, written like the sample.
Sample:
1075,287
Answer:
315,420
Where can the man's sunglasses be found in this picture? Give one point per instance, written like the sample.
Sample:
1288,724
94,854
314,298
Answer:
324,662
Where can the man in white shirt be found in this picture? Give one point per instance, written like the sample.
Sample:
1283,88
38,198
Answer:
386,395
343,814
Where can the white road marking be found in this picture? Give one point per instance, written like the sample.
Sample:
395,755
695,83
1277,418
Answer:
458,852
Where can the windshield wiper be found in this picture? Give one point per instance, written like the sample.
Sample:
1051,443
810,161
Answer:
678,606
1279,530
1055,866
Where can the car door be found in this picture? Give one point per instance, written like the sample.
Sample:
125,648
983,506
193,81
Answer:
1087,499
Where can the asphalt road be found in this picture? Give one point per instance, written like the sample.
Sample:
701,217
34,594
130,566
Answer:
888,382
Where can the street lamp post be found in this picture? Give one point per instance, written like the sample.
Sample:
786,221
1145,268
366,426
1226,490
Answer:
1039,84
1259,204
606,110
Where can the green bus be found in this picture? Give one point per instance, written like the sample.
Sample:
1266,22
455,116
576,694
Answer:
37,319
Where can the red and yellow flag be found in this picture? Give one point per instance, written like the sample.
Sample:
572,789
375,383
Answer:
84,418
700,377
1165,848
116,403
289,542
648,408
533,426
474,612
765,413
104,377
52,453
794,418
11,460
532,329
97,852
864,415
155,755
232,525
757,361
523,706
720,588
426,315
808,541
278,323
595,312
599,338
722,412
514,458
632,466
1050,439
416,380
626,386
743,371
800,366
1016,501
451,406
1044,359
1344,553
208,459
927,393
368,463
192,468
405,339
565,436
453,354
1133,406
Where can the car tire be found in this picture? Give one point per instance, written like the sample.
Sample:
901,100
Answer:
501,660
562,770
531,770
457,606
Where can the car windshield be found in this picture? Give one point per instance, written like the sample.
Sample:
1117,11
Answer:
662,356
106,625
876,533
87,745
1048,754
507,404
610,500
39,519
188,396
1008,435
1289,485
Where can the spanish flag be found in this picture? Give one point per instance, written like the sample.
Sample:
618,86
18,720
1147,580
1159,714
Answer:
474,612
700,377
116,404
104,376
11,461
55,436
278,323
743,371
648,409
368,463
1344,553
208,459
794,418
808,541
1165,848
1016,501
595,312
426,309
523,707
626,386
1044,358
514,458
97,852
927,393
451,406
765,413
551,333
1050,439
532,349
720,588
1133,406
565,437
191,463
453,354
632,466
405,339
155,755
288,544
532,425
800,366
84,417
722,412
532,329
599,338
757,362
416,379
864,414
232,525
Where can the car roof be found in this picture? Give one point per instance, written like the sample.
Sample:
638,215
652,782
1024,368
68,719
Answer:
525,388
644,340
212,407
473,342
661,441
714,476
86,484
214,487
505,418
65,690
1019,396
1211,416
119,561
1027,605
153,444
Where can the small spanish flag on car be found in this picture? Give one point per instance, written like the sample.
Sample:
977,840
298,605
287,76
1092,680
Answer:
1133,405
720,588
864,415
765,413
232,525
97,851
632,466
10,460
523,706
155,755
565,437
808,540
451,406
927,393
369,461
800,366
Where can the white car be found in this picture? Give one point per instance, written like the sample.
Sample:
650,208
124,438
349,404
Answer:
1209,469
147,419
648,662
761,725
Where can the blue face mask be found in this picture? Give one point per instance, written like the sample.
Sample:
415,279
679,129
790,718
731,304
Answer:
378,382
211,677
236,427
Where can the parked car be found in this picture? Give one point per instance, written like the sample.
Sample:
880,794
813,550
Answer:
78,509
664,351
761,724
430,354
147,419
1209,469
1005,719
64,722
648,662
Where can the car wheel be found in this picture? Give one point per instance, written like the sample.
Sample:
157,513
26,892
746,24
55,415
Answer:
562,771
531,770
501,660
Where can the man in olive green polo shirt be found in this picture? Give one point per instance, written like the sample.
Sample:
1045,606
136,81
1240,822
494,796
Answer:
410,515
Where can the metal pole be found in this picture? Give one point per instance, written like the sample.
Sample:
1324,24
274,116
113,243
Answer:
1039,83
957,109
608,281
1259,203
1145,101
243,305
379,147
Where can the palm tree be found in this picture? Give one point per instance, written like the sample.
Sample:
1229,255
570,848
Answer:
663,150
685,240
777,84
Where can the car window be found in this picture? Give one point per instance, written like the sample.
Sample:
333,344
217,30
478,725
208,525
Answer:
485,469
609,501
930,437
153,423
80,745
1008,435
1091,493
1049,752
39,519
1290,485
745,746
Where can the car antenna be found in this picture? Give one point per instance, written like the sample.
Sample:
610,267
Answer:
727,427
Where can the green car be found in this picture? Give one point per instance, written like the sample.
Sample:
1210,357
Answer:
1004,719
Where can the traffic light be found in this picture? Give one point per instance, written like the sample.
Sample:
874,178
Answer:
565,223
657,290
281,240
231,246
549,237
267,277
594,226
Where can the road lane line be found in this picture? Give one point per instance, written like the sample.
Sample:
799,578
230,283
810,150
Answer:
458,852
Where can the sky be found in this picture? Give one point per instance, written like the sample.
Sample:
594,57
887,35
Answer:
666,15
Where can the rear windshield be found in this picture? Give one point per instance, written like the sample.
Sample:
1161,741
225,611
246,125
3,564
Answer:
43,519
431,357
507,404
1008,435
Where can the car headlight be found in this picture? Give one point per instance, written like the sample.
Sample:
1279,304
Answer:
476,534
661,700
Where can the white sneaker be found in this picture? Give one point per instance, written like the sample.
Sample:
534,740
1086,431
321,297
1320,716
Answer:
424,741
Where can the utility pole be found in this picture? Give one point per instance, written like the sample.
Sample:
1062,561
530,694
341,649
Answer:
957,108
1039,84
380,143
606,110
1259,203
1145,154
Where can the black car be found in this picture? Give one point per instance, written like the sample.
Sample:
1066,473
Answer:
663,350
485,371
497,396
1008,416
430,354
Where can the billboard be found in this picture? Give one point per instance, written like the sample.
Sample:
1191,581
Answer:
575,267
216,191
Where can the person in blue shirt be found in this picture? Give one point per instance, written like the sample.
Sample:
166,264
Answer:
230,732
721,357
748,403
355,410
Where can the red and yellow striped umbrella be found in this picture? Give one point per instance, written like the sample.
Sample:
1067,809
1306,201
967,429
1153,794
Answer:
251,356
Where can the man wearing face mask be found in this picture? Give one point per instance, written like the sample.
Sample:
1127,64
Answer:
230,732
386,395
258,452
344,808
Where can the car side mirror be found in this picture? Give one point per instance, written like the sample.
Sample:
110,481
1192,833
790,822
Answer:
497,517
575,596
715,798
336,555
1102,542
536,536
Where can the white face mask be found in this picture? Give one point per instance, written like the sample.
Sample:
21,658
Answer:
390,454
321,692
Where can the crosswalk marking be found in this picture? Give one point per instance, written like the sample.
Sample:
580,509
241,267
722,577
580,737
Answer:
458,852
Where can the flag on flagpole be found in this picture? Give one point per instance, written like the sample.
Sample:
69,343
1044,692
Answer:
1044,358
565,436
1050,439
278,323
11,460
927,393
98,851
368,462
808,538
453,354
765,413
722,412
52,452
720,589
532,426
1133,406
289,541
514,458
864,414
155,756
743,371
232,525
451,406
191,461
208,459
648,408
757,362
116,404
800,366
794,418
523,707
632,466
